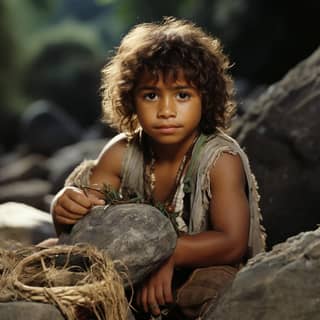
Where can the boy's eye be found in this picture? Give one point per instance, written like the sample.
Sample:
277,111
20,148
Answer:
150,96
183,95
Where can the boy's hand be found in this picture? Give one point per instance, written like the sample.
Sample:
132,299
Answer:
72,204
157,290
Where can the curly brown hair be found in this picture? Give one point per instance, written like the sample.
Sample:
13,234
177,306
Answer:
168,46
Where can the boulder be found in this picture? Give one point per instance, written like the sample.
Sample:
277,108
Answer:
22,223
280,132
30,192
20,310
28,167
282,284
45,128
9,157
9,122
65,69
138,235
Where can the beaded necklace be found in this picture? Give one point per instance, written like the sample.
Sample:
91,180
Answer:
150,179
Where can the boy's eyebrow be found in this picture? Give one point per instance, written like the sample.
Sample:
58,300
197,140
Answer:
182,87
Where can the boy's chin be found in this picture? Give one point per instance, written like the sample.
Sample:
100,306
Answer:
170,139
166,139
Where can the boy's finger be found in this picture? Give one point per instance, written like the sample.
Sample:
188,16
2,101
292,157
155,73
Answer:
72,206
153,305
65,216
144,301
160,296
95,200
167,291
63,220
79,197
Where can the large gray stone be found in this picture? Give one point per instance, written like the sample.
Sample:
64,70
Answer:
283,284
280,132
21,310
138,235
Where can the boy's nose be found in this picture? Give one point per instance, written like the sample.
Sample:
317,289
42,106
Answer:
166,109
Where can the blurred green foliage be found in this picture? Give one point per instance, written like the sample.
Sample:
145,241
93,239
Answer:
66,31
18,21
7,56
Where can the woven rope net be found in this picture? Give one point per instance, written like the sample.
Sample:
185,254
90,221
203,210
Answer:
79,280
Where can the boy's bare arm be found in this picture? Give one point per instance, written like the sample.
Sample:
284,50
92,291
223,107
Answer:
230,218
108,167
72,203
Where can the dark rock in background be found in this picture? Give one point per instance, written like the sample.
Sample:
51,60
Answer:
265,37
138,235
46,128
33,178
31,192
280,285
30,166
280,132
7,159
67,72
9,122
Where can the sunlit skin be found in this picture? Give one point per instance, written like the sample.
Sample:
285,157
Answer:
169,112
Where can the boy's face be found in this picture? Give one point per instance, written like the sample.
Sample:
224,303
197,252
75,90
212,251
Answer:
168,109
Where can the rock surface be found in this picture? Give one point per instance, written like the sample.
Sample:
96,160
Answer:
280,132
47,128
22,310
137,234
24,168
29,310
280,285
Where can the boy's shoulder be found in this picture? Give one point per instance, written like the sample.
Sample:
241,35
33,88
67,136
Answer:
113,152
116,144
221,141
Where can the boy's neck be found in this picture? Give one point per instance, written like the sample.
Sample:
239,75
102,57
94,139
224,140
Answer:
172,152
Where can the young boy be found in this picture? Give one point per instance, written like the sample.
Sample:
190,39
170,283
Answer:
168,89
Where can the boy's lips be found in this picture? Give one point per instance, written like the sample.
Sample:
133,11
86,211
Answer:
167,128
